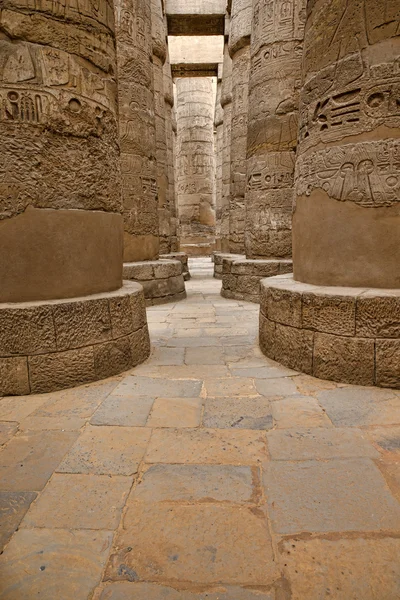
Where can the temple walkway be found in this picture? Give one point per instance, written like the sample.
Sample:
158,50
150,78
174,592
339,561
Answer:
209,472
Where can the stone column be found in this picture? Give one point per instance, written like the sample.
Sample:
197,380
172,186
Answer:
65,319
196,164
159,57
275,79
226,105
137,130
346,228
239,49
172,243
218,142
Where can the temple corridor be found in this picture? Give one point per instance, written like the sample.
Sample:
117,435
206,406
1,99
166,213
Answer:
208,472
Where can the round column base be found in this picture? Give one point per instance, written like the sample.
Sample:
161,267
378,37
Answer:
57,344
162,280
183,258
347,335
241,277
218,257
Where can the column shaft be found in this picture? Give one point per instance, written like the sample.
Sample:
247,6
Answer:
218,142
226,104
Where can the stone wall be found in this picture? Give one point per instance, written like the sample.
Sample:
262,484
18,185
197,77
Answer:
196,165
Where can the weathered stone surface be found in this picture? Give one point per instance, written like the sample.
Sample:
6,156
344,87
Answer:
81,323
61,223
140,345
13,506
337,495
204,356
29,330
240,413
80,502
47,562
111,358
299,412
107,451
338,185
378,314
319,443
126,412
194,483
48,372
343,568
14,376
229,387
329,313
284,306
158,533
176,412
7,430
195,164
154,387
30,458
122,315
207,446
147,591
284,386
294,348
346,359
387,360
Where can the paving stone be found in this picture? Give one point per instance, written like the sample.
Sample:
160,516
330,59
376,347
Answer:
198,543
63,423
169,373
197,483
53,563
107,451
153,387
245,353
80,502
30,458
176,412
127,412
207,446
230,387
16,408
168,356
149,591
7,430
359,406
386,439
265,372
391,473
282,386
204,356
307,385
299,412
343,569
194,342
13,506
241,413
319,443
337,495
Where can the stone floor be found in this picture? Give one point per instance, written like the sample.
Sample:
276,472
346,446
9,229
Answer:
210,472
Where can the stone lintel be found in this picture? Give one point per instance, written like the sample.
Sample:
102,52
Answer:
349,335
190,24
195,70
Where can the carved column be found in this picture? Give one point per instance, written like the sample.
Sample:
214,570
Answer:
159,57
275,79
226,105
239,49
333,319
137,130
196,164
172,242
218,139
65,317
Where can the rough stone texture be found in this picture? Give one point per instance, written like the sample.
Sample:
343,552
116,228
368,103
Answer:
170,243
137,129
196,165
49,562
65,343
326,332
275,76
241,277
162,280
183,258
346,223
124,590
226,104
218,145
60,177
13,506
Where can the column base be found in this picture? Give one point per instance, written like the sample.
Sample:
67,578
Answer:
198,250
162,280
183,258
56,344
241,277
217,258
347,335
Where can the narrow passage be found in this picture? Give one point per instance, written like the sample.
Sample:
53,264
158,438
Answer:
209,472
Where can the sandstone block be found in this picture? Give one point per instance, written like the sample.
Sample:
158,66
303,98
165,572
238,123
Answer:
378,315
111,358
329,313
388,363
294,348
122,315
49,372
83,323
27,330
13,507
14,376
284,306
345,359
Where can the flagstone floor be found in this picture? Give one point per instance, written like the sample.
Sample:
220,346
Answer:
209,472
